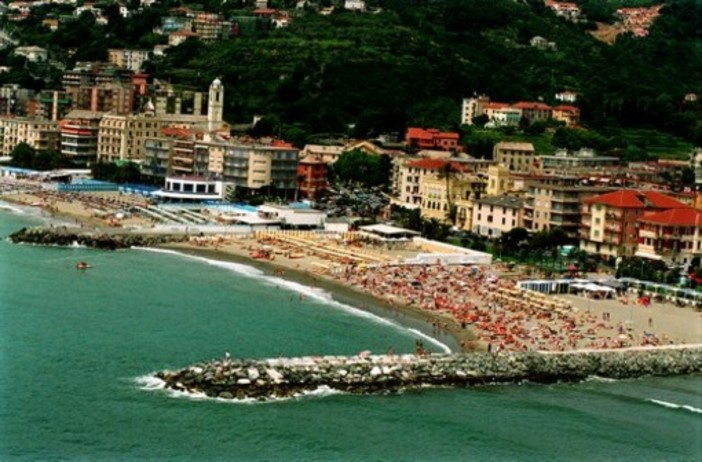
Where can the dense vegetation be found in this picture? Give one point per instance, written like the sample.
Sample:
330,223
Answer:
411,63
25,156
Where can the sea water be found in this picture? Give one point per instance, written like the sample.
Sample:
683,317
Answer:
77,349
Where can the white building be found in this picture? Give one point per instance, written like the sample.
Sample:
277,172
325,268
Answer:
355,5
128,59
293,217
195,188
32,53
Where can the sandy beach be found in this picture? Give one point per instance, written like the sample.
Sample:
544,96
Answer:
479,307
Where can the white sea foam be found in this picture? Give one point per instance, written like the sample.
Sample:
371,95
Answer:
669,405
443,346
12,208
150,382
597,378
310,292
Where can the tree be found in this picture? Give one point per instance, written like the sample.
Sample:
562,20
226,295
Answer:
358,167
448,172
481,120
23,155
513,240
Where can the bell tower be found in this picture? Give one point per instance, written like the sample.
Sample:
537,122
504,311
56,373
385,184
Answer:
215,105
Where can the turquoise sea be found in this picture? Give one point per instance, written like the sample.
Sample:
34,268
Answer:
76,350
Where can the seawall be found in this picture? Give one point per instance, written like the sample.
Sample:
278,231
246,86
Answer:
106,238
284,377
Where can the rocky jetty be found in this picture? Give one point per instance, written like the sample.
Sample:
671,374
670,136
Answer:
100,239
275,378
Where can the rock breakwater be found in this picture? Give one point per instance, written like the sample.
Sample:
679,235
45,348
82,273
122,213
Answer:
276,378
100,239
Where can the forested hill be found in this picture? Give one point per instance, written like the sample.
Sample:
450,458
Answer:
411,63
414,61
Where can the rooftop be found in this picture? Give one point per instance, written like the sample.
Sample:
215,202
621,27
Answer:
675,217
510,202
630,198
433,164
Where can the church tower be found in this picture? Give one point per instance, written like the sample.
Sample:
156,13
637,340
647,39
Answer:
215,105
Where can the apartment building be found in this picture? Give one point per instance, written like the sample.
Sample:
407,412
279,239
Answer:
674,235
53,104
122,137
40,134
79,136
128,59
556,202
252,166
584,160
409,178
15,100
495,215
447,197
182,152
610,221
95,74
117,98
516,156
210,27
312,178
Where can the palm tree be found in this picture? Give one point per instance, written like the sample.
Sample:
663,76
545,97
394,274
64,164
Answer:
448,172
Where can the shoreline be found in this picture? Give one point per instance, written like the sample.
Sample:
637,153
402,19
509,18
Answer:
469,310
406,316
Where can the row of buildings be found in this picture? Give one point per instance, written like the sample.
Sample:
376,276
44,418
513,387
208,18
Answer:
611,212
501,114
197,146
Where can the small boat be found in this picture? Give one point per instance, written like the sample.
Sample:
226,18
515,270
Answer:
82,265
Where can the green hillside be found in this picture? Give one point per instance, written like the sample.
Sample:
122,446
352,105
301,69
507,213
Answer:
412,62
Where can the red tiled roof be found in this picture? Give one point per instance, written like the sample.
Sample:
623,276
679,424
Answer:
177,132
566,108
420,133
531,105
629,198
675,217
495,105
430,134
433,164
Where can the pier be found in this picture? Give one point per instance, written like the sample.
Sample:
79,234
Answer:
285,377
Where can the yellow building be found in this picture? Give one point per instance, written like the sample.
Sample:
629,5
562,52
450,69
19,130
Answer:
122,137
450,198
498,181
42,135
516,156
556,202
